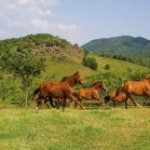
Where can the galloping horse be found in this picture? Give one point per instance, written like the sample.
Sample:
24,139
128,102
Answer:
58,90
90,93
139,88
121,97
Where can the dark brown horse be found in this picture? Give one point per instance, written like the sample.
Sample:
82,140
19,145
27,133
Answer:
58,90
91,93
139,88
121,97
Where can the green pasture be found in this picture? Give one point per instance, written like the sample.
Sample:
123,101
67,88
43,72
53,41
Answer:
50,129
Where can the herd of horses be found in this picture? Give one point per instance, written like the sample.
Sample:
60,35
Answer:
61,92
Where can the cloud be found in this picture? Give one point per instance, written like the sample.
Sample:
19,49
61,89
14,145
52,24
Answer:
21,17
70,31
25,2
26,15
66,27
39,23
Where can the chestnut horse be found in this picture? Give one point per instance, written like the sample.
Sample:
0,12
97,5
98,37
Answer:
58,90
90,93
121,97
139,88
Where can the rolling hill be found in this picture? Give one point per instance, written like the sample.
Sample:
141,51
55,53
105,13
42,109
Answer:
62,59
136,49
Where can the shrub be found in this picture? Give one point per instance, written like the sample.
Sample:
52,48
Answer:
90,62
107,67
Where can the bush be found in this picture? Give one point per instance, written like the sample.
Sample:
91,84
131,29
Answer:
107,67
90,62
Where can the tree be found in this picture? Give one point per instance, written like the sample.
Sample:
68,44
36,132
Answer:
24,64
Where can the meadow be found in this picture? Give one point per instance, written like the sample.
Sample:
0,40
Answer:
50,129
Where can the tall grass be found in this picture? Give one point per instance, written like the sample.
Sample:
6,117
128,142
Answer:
114,129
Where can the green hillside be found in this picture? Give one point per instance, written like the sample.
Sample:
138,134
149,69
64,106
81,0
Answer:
136,49
61,59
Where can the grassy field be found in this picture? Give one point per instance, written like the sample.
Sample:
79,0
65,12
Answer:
111,129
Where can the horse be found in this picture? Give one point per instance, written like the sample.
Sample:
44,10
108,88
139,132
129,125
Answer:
138,88
91,92
121,97
58,90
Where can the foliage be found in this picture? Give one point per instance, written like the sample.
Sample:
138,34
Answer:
33,42
24,64
90,62
107,67
111,80
139,75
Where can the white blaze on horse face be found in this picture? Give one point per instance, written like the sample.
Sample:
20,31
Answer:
81,81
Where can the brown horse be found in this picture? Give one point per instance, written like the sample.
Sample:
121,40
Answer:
121,97
139,88
58,90
90,93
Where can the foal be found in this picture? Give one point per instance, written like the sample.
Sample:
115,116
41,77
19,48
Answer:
121,97
90,93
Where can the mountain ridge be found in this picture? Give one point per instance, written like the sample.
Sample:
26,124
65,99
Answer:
133,48
124,39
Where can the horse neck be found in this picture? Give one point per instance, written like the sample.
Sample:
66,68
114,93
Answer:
148,79
97,87
70,81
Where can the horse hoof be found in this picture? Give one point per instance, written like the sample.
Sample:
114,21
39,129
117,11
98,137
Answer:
83,108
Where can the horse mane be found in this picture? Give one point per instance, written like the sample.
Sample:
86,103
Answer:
95,83
63,79
66,77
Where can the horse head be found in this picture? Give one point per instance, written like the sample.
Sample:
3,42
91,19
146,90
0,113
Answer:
101,85
78,78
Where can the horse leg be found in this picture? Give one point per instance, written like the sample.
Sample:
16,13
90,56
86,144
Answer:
114,103
68,102
134,102
39,103
57,103
51,102
101,102
64,104
106,100
125,102
46,100
70,96
75,104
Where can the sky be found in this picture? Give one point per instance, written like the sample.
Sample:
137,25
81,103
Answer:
78,21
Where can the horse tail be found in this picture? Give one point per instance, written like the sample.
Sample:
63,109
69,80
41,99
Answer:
36,91
77,95
106,99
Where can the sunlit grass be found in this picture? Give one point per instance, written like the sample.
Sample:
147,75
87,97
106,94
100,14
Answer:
113,129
